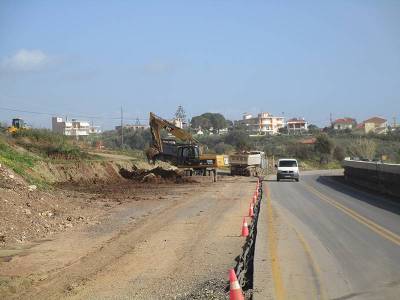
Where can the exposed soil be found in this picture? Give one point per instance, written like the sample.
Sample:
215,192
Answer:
122,239
80,193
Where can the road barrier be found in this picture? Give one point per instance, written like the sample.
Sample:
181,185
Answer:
244,268
377,176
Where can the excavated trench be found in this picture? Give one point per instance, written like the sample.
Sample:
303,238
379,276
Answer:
245,262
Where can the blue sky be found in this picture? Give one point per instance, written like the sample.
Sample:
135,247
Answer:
298,58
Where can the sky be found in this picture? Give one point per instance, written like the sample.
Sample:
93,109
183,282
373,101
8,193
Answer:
310,59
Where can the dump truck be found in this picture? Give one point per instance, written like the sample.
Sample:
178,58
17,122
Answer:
252,163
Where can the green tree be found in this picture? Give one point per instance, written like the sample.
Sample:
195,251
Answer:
208,120
338,153
239,139
201,121
313,129
222,148
324,147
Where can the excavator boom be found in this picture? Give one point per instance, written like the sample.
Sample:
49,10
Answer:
157,123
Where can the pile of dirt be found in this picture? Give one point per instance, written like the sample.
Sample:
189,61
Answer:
82,172
155,175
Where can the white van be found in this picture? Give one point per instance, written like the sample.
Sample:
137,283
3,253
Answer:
287,168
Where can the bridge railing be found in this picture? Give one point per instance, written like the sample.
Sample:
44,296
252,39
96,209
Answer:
377,176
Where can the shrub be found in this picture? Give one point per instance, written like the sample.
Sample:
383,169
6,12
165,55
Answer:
338,153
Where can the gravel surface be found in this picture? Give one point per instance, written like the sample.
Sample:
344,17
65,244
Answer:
162,241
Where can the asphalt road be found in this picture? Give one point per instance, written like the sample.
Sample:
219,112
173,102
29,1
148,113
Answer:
350,240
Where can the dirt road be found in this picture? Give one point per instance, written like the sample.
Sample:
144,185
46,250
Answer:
176,243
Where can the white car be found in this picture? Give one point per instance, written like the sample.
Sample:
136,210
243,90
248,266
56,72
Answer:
287,168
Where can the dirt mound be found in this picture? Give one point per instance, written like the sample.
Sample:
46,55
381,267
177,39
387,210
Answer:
155,175
82,172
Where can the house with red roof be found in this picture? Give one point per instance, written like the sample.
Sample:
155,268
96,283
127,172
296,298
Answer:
344,123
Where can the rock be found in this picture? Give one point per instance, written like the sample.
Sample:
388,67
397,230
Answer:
27,211
69,225
2,238
11,176
46,213
32,187
69,218
149,178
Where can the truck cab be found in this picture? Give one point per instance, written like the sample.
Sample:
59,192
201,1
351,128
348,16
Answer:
287,168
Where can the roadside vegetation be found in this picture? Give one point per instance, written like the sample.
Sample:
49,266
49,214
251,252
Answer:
23,150
47,144
318,149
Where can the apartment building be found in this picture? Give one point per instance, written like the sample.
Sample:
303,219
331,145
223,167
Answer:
74,127
262,124
297,125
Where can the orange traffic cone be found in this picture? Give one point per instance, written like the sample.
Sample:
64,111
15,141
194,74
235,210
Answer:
235,291
245,228
251,210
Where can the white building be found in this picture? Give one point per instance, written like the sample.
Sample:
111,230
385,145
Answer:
297,125
133,127
264,123
74,127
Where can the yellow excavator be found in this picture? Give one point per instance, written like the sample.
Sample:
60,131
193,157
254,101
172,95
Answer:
184,155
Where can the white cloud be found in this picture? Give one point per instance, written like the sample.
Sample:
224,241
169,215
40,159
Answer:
25,60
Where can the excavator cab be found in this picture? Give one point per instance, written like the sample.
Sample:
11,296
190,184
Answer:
188,155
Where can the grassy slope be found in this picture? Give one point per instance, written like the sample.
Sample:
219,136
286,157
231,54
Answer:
18,162
25,150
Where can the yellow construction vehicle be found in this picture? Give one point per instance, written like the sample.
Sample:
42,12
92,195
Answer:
17,124
186,155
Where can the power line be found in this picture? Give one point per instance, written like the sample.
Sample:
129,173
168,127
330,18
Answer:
74,115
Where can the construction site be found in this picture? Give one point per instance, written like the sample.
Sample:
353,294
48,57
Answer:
176,222
209,150
72,224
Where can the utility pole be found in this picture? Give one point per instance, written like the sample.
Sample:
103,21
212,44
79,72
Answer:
330,119
122,128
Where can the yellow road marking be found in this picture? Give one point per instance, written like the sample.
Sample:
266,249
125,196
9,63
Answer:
383,232
320,288
273,249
